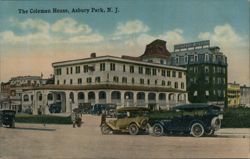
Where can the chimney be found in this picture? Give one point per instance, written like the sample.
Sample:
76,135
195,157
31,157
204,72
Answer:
93,55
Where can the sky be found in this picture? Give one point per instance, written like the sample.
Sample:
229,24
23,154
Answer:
30,42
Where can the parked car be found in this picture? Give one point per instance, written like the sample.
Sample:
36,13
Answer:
129,119
195,119
55,107
108,108
85,108
7,118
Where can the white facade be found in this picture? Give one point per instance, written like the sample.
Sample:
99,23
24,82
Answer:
110,79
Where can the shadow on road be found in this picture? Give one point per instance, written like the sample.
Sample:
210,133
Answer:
35,129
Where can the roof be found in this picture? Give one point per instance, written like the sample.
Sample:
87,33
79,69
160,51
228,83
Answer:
133,109
106,86
157,48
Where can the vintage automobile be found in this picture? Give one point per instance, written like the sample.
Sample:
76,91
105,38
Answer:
195,119
129,119
7,118
55,107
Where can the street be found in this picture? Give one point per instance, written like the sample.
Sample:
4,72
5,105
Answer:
63,141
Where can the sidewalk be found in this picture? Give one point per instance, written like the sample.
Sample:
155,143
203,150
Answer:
234,132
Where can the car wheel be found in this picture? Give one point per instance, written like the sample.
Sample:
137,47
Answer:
211,132
197,130
133,129
105,129
158,129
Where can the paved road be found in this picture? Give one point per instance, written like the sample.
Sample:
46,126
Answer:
63,141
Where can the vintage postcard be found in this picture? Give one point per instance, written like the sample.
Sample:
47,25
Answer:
147,79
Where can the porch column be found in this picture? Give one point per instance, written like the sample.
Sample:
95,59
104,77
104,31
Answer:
135,98
122,99
146,99
96,97
157,100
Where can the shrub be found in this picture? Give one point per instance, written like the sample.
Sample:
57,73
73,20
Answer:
48,119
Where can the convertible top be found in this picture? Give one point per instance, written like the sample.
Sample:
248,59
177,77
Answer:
133,109
196,105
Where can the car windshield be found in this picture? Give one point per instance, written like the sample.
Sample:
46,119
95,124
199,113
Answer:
8,113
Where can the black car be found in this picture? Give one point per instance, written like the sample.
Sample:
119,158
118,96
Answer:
55,107
7,118
108,108
195,119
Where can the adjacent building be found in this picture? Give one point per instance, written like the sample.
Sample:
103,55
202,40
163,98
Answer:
233,94
245,96
145,81
206,71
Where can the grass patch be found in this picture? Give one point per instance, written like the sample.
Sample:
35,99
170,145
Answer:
41,119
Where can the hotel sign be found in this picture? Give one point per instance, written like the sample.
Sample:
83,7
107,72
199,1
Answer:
192,45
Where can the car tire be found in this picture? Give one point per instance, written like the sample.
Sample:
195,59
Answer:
158,129
133,129
105,129
197,130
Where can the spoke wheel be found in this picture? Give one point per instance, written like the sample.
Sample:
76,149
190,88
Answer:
197,130
133,129
158,130
105,129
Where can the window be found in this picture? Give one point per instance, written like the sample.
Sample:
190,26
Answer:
163,73
163,83
206,58
141,81
116,79
67,70
131,68
206,69
50,96
168,73
176,85
77,69
174,73
177,60
64,81
58,82
133,80
25,98
161,62
124,68
154,71
148,71
169,83
140,70
89,80
207,79
40,97
71,81
79,80
148,81
97,79
196,58
124,79
112,66
186,59
58,71
85,68
102,66
155,82
182,85
71,70
180,74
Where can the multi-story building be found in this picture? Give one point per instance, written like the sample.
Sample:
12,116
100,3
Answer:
233,94
128,81
15,86
245,96
206,71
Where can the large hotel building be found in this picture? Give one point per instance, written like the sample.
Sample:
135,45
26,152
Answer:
146,81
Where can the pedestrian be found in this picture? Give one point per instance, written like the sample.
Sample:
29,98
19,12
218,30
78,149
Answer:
73,118
103,117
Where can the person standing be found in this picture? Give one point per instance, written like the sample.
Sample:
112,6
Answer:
103,117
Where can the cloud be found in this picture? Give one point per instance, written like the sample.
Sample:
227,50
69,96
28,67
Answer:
235,47
37,24
131,27
86,38
46,33
71,26
172,37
